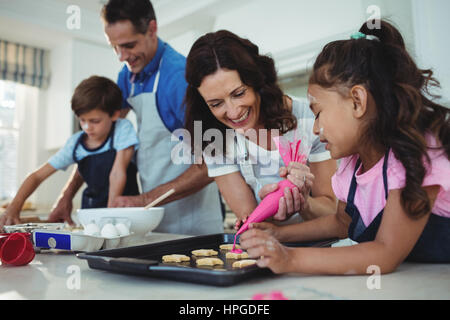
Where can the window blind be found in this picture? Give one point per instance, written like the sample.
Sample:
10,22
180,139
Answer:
24,64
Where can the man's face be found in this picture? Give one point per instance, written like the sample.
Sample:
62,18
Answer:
134,48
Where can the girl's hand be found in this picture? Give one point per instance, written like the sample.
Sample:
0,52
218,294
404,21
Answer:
267,227
273,255
300,175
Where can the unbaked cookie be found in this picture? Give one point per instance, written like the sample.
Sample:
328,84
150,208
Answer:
243,263
209,262
228,246
175,258
234,255
204,253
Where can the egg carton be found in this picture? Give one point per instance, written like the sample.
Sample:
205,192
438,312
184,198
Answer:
108,227
73,241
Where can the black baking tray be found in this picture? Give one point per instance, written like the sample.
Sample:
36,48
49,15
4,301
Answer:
146,260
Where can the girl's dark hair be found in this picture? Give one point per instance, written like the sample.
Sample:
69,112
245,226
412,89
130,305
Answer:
404,112
139,12
96,92
223,49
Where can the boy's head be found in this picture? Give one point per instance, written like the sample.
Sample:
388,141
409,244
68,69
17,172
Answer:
96,93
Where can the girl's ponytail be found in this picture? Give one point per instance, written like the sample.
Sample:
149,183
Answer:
405,110
386,34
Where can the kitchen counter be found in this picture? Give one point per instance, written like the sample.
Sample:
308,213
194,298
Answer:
61,275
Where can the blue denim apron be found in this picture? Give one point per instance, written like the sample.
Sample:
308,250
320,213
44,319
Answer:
95,170
433,244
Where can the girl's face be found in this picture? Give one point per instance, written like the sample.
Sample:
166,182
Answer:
97,124
232,102
334,123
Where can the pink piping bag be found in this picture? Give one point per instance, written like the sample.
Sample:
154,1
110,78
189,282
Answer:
289,151
269,205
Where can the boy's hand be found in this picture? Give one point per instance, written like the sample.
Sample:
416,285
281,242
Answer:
8,218
61,211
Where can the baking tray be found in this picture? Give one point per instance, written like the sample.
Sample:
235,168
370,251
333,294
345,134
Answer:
146,260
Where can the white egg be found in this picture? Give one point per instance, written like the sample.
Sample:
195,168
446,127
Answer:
92,230
109,231
122,229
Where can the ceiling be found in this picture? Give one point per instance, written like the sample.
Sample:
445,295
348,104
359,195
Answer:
174,16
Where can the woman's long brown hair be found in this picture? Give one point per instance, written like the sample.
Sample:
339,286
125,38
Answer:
224,49
405,112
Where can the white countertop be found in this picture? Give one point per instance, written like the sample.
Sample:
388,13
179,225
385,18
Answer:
54,275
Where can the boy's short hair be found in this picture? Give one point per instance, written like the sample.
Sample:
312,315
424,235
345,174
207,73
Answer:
139,12
96,92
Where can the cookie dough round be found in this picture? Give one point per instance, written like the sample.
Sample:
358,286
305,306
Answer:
243,263
209,262
228,246
234,255
175,258
204,253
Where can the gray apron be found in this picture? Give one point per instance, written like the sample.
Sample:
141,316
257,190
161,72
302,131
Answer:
197,214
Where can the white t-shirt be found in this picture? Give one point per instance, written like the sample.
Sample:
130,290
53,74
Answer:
124,137
265,164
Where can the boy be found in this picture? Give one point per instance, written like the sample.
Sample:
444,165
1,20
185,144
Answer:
102,150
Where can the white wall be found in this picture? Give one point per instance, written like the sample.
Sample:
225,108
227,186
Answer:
58,122
294,31
432,43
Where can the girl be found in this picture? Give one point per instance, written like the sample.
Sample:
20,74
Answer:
393,185
231,87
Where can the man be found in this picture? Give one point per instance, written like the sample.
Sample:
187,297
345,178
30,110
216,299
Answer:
153,85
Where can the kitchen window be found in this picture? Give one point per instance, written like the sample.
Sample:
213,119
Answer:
9,140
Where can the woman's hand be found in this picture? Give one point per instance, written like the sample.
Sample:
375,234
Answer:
271,253
289,204
294,200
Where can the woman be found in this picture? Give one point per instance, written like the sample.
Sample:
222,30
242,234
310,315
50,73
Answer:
232,87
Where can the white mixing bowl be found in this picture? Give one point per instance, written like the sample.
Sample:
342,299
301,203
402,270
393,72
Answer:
142,221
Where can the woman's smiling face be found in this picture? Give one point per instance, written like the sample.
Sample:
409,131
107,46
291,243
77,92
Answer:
232,102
